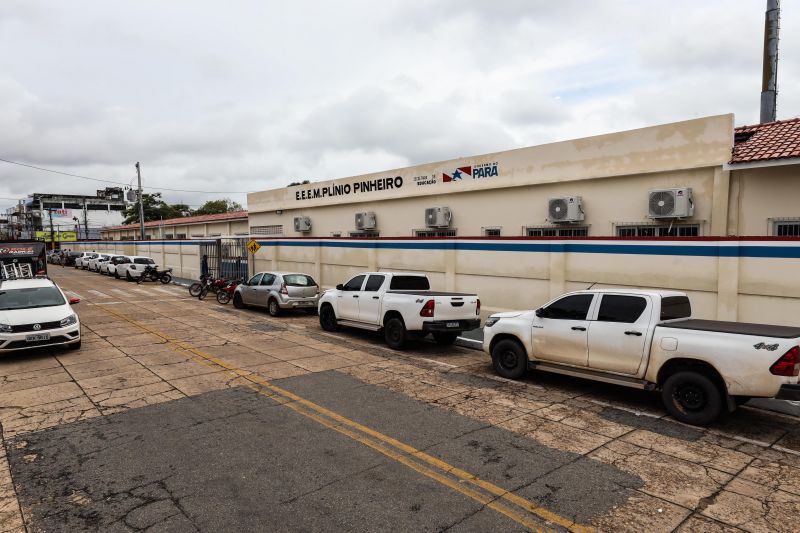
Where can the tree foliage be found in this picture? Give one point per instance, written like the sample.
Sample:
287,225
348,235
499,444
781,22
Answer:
304,182
215,207
155,208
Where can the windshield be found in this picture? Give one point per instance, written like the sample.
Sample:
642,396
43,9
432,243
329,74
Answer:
144,261
299,280
410,283
30,298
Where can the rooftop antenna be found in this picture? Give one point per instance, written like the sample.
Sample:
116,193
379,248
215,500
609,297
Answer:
769,79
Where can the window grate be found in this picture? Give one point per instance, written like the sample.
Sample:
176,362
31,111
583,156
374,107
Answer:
787,229
364,234
276,229
550,231
435,232
652,230
491,232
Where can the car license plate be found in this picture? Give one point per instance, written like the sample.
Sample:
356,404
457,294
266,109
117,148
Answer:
37,337
453,324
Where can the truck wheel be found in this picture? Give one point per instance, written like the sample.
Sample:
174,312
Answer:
273,308
116,274
327,319
509,359
444,338
394,331
128,276
692,398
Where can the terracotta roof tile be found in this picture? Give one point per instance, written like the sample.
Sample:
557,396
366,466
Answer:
234,215
762,142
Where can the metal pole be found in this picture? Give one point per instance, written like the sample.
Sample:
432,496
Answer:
85,221
141,203
769,79
52,233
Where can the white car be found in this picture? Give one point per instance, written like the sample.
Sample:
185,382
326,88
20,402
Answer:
112,267
36,312
402,305
97,261
82,261
132,270
646,339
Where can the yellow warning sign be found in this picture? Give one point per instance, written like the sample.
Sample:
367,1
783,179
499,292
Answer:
253,246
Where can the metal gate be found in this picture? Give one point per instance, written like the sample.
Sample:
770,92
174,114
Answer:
225,258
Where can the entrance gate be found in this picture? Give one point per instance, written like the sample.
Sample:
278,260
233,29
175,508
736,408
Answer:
225,258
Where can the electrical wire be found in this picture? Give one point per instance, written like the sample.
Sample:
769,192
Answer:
112,181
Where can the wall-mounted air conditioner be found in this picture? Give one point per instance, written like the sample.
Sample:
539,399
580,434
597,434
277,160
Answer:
302,224
366,220
565,209
438,217
670,203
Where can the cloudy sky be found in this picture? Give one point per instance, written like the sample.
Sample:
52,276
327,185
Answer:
249,95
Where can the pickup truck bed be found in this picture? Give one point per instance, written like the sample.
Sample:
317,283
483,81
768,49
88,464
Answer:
738,328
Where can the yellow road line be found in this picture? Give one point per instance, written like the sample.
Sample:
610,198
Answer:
496,491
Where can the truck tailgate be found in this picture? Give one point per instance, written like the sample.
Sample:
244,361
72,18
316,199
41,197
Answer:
455,307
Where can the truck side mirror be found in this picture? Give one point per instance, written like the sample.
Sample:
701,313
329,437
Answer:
540,312
340,287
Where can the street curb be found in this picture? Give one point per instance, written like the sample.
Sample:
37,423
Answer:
469,343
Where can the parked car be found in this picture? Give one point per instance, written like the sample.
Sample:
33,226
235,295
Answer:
134,268
52,256
278,291
400,304
648,340
36,312
112,266
68,258
97,261
82,261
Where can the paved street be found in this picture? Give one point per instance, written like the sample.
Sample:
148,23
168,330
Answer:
179,415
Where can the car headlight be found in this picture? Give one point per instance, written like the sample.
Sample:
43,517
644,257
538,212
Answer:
491,321
5,328
71,319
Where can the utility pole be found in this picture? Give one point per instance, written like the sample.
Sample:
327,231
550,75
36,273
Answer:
85,221
141,203
52,233
769,81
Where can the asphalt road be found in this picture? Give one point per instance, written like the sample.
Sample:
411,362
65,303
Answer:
179,415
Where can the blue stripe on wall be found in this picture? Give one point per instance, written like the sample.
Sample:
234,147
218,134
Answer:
676,249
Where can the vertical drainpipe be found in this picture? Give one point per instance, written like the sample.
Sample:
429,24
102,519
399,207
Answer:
769,80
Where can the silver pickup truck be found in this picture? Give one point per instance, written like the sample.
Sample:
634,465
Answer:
648,340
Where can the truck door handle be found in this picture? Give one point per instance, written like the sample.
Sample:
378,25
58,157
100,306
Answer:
376,297
578,328
355,296
637,333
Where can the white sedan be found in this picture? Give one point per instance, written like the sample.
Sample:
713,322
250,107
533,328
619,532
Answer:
36,312
82,261
112,267
96,262
134,269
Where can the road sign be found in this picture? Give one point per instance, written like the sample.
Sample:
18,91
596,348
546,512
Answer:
253,246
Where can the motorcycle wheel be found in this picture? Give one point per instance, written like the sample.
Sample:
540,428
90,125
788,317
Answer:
195,288
203,293
223,297
166,278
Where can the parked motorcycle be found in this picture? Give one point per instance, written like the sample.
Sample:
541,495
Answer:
226,293
151,273
214,285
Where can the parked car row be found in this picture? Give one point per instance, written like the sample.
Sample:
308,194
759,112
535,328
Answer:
129,267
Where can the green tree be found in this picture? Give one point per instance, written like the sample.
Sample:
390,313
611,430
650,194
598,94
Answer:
155,208
215,207
304,182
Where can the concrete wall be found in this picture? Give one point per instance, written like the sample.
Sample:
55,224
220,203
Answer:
198,230
182,256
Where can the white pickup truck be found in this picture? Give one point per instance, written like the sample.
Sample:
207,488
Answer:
648,340
400,304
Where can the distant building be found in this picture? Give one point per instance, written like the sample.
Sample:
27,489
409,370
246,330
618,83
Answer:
196,227
70,216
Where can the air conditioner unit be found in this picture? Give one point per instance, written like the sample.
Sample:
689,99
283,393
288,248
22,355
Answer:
366,220
438,217
302,224
670,203
565,209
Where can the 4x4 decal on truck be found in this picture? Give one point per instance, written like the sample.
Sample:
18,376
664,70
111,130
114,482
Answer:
762,346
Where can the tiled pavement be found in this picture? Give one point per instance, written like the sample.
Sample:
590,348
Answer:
741,474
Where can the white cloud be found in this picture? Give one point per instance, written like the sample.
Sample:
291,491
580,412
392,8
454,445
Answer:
248,95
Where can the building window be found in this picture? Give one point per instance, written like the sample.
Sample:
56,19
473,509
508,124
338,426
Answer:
491,232
197,235
97,207
435,233
215,234
168,236
117,207
652,230
181,236
786,229
240,234
336,234
52,205
266,230
551,231
364,234
72,206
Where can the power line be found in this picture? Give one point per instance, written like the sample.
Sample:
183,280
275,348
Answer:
112,181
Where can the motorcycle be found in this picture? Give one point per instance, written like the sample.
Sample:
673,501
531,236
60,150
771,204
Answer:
151,273
226,293
214,285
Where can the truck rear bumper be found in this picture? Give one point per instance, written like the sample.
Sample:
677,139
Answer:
451,325
789,392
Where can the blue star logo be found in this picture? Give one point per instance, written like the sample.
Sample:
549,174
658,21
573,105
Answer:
457,175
